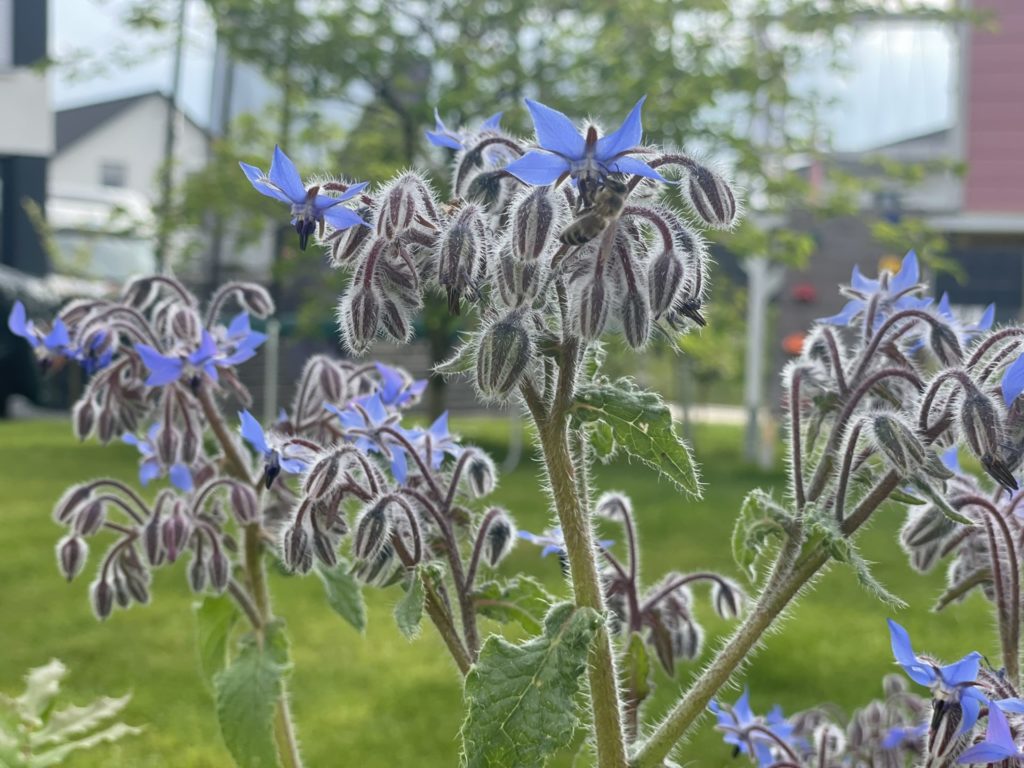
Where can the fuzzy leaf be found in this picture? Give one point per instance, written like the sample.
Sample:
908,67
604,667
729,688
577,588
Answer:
65,723
637,669
641,425
42,684
520,599
215,618
761,518
247,692
843,550
462,361
59,754
521,698
409,609
344,594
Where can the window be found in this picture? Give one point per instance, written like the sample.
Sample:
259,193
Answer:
113,174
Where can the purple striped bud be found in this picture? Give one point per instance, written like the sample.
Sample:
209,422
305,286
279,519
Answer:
517,281
331,382
636,319
394,318
399,204
461,256
591,308
320,479
137,585
981,425
174,534
152,540
244,505
256,300
664,278
532,220
687,640
90,518
73,498
83,417
500,538
727,598
102,597
106,423
219,568
191,440
197,570
945,344
167,445
324,547
481,475
360,312
373,526
711,197
140,292
72,552
295,549
504,353
344,244
185,323
381,570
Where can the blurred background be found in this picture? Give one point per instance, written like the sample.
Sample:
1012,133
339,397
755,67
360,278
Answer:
858,129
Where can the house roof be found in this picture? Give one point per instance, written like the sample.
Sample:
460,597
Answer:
73,124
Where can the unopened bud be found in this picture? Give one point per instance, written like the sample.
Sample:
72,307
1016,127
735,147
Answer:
945,344
398,207
394,318
481,475
243,504
152,540
90,519
381,570
898,442
140,292
460,255
518,281
829,740
324,548
505,352
167,445
174,534
344,244
711,197
219,570
321,477
122,596
532,218
83,417
70,502
360,318
331,381
373,526
295,549
687,639
71,555
256,300
137,587
102,595
925,526
636,319
592,308
613,506
185,323
727,599
664,276
980,423
500,538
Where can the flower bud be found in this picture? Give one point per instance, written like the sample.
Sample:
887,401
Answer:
373,526
399,204
166,445
591,308
324,548
83,417
106,423
924,527
727,599
140,292
152,540
394,317
72,552
687,639
256,300
945,344
174,534
191,440
219,570
331,382
500,538
505,351
244,505
711,197
344,244
122,596
898,442
481,475
636,319
980,423
185,324
517,281
381,570
460,255
197,571
137,586
321,477
360,317
664,277
70,502
829,740
90,518
102,596
532,221
295,549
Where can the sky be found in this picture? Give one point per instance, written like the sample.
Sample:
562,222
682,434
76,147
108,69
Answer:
898,85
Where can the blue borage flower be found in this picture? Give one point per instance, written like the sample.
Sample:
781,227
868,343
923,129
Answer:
553,541
221,348
585,158
396,390
736,723
965,333
309,208
56,345
272,450
904,735
150,468
442,136
888,294
998,744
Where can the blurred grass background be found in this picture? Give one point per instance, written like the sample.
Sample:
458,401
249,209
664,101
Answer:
378,701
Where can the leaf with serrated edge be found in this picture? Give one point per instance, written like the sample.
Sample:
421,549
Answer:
521,698
215,618
344,594
521,599
247,692
72,721
409,609
58,755
462,361
642,426
760,518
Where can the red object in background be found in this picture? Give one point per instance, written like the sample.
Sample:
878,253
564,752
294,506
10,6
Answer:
805,293
793,344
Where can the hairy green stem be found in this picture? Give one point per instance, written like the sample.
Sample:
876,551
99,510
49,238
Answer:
552,426
440,615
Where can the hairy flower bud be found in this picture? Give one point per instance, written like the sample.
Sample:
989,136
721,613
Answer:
727,598
664,278
102,596
185,323
324,548
925,526
140,292
256,300
360,312
295,549
518,281
505,351
72,552
219,568
636,319
898,442
395,319
73,498
829,740
373,526
152,540
90,518
197,571
174,534
83,418
321,477
344,244
481,474
331,381
532,220
400,203
945,344
687,639
591,308
711,197
982,429
461,256
166,444
500,536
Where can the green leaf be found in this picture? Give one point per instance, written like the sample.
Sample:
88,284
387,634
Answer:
641,425
637,667
761,518
521,698
247,691
520,599
409,610
70,721
215,618
344,594
59,754
462,361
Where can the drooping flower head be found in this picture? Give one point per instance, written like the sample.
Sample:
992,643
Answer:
309,208
563,151
151,467
745,730
965,332
442,136
274,461
883,296
55,346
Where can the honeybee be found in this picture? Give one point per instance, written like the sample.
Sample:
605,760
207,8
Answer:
609,200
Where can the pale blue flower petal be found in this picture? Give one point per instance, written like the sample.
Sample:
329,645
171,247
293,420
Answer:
286,176
57,339
162,369
253,432
635,166
908,276
149,470
1013,381
555,131
262,184
627,137
538,168
181,478
343,218
905,657
492,123
845,315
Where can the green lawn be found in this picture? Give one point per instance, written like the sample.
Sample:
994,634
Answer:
376,700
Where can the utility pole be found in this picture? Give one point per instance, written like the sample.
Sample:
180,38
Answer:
166,176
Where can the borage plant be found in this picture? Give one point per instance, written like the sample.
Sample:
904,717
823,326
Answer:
552,246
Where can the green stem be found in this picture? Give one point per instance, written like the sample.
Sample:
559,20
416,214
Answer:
552,426
441,616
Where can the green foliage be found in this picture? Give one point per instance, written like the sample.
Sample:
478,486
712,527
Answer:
409,608
35,733
521,698
640,424
247,691
761,519
638,668
344,594
521,599
216,616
